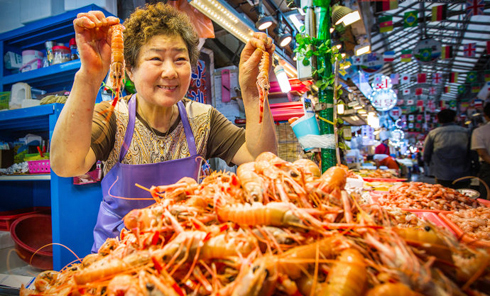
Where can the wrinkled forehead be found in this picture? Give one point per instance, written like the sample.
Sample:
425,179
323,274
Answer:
164,44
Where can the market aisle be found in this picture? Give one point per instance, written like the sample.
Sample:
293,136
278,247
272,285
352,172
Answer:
422,178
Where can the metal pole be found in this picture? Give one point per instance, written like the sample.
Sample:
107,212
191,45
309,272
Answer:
325,96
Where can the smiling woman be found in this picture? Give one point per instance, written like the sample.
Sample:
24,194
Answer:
156,136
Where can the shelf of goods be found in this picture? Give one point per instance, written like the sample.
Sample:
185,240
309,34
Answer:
73,208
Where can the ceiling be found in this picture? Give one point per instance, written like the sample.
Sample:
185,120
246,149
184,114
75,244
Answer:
458,29
227,48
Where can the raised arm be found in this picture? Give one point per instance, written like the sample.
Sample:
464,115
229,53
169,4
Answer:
70,153
259,137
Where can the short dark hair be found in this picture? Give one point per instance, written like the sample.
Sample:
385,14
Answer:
486,109
370,157
446,116
158,19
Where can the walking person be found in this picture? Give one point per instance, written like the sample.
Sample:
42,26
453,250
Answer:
446,150
480,141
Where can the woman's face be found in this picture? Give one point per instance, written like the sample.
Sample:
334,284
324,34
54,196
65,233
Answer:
163,72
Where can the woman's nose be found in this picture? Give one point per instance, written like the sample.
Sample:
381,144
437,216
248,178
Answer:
168,70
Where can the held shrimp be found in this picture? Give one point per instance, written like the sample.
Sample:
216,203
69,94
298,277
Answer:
263,83
116,71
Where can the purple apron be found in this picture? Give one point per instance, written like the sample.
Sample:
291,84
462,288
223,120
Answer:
120,180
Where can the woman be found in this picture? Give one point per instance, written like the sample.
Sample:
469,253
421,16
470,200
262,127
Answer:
157,136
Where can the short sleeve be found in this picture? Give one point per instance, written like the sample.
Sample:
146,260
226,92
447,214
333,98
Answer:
225,138
103,132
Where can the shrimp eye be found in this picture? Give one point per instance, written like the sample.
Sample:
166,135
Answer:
150,286
427,228
294,174
254,269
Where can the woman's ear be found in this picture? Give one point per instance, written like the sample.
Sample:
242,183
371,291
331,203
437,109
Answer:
130,73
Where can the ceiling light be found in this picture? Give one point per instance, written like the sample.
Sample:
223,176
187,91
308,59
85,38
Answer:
284,39
296,22
362,49
340,108
264,22
342,14
373,120
351,18
337,44
282,78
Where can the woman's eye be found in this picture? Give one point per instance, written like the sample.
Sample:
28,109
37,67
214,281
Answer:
156,59
181,59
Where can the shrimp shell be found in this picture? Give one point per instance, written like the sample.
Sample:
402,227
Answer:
263,85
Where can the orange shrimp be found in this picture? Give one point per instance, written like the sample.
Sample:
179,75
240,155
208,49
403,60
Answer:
263,83
116,72
252,183
392,289
124,284
272,214
333,181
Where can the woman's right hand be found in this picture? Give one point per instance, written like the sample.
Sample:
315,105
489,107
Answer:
92,33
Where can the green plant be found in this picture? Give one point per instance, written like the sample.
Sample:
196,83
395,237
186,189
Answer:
308,47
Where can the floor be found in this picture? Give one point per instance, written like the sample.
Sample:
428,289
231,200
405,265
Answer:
13,271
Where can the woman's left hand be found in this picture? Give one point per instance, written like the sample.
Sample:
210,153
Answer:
250,59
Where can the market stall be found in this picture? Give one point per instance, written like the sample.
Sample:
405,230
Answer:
318,218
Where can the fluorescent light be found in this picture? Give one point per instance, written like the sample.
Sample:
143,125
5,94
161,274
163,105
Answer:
340,109
282,78
294,19
362,49
373,120
224,16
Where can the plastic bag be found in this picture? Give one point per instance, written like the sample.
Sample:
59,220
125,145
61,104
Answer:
202,24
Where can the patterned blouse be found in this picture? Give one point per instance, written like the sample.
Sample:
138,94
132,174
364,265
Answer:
214,134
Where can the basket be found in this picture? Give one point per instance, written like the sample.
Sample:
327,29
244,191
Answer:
39,166
8,217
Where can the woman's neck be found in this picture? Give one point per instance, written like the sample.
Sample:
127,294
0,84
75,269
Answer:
158,118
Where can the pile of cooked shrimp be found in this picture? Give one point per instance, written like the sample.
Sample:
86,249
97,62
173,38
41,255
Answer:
419,195
273,228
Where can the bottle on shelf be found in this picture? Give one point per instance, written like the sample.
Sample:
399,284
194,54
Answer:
61,54
73,49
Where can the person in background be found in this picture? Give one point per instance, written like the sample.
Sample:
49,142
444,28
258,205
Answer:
384,160
446,151
480,141
156,136
383,148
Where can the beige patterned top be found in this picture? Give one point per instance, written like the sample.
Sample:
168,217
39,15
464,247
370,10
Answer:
214,134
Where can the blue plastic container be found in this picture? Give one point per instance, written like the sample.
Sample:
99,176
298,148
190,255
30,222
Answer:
306,125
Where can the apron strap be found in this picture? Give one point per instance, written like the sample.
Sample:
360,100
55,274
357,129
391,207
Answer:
130,128
191,142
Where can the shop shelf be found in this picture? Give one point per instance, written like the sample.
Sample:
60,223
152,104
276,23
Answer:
74,208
